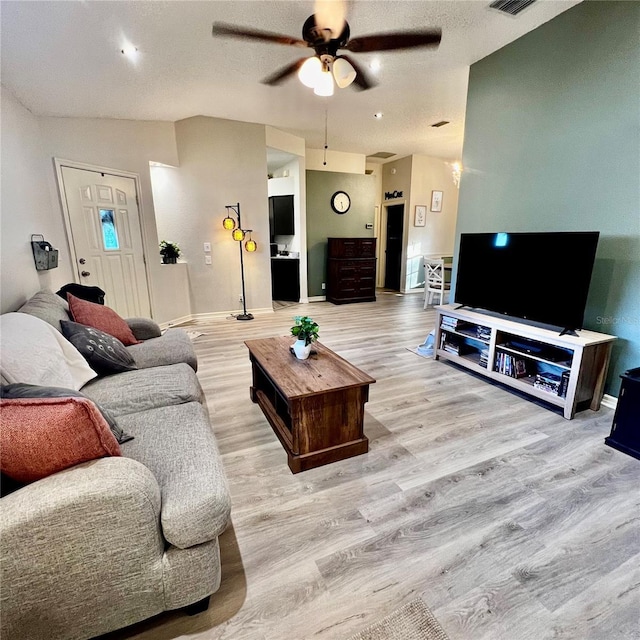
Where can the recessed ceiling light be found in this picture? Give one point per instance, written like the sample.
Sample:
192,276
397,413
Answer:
378,115
129,51
375,65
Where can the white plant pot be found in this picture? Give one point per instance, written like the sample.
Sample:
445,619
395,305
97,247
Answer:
301,350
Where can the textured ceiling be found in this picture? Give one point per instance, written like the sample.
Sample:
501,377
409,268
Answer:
63,59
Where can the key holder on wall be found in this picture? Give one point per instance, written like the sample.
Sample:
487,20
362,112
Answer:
44,255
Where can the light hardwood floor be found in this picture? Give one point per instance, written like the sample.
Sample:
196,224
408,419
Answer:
509,521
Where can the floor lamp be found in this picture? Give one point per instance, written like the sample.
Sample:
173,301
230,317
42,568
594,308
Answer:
239,234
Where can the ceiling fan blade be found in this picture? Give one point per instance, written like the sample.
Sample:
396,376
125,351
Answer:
398,40
223,29
285,72
363,81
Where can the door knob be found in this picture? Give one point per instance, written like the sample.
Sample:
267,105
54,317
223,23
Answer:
84,274
82,261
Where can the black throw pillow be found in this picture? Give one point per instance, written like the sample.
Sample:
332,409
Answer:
21,390
104,353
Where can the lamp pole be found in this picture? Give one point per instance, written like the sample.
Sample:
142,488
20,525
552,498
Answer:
244,315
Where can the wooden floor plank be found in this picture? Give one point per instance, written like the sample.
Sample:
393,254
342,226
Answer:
509,521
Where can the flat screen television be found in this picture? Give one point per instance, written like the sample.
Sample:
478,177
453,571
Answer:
542,277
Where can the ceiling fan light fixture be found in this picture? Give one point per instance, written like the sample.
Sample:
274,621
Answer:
309,72
343,72
324,84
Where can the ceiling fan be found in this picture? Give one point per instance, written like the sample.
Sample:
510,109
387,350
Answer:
326,32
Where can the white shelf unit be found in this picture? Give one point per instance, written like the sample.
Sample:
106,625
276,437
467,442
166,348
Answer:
584,358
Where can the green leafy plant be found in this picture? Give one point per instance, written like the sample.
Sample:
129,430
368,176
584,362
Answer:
169,249
305,329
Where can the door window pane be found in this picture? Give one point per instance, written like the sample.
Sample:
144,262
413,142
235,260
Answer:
109,232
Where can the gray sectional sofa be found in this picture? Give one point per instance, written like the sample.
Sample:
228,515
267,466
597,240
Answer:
113,541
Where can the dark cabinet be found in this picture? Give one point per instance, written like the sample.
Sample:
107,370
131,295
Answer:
285,279
281,216
625,431
351,270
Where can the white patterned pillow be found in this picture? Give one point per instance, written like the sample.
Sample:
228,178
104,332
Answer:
33,352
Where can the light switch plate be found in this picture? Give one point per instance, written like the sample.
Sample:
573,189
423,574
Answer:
207,259
207,248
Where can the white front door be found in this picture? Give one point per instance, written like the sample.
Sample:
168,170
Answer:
107,238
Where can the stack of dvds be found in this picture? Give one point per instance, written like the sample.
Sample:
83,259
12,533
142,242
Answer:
549,382
484,357
483,333
511,366
450,323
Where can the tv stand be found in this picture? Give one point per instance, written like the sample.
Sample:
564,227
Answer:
567,371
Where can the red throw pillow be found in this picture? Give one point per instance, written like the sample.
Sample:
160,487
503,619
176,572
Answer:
100,317
41,436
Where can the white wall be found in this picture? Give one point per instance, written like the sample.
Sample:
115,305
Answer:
338,161
417,176
116,144
437,237
222,162
26,208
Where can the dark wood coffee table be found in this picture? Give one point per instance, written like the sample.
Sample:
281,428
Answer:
315,406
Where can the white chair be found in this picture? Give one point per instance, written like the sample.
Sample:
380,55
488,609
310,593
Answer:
435,280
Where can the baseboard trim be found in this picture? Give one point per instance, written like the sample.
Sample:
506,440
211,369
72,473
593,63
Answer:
317,298
611,402
175,322
212,315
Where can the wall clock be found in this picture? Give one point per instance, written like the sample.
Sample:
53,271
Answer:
340,202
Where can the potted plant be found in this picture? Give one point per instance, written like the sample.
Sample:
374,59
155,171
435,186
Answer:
169,251
306,332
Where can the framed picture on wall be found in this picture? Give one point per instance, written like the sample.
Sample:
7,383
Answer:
436,201
421,215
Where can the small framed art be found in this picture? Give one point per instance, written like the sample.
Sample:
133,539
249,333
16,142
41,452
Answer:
436,201
421,216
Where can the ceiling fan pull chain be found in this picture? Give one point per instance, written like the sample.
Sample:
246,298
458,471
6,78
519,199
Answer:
326,117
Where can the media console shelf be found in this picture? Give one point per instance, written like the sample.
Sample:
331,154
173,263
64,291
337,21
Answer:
566,371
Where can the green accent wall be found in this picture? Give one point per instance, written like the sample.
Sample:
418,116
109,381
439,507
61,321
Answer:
552,143
323,222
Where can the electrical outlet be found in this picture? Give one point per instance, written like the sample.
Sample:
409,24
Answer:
324,286
240,299
207,247
369,225
207,259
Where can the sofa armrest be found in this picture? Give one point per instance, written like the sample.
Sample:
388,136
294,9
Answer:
144,328
73,543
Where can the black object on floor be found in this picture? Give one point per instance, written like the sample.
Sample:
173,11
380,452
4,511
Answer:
625,431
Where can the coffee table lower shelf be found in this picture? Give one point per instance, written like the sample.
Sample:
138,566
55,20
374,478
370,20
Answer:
302,461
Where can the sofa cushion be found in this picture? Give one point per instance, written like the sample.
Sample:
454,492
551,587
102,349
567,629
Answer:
41,436
172,347
47,306
143,389
33,352
178,445
102,318
104,353
19,390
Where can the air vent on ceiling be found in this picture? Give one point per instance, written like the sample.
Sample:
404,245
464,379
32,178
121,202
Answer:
368,171
381,154
512,7
440,124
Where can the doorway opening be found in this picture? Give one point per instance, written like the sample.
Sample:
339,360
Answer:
393,247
